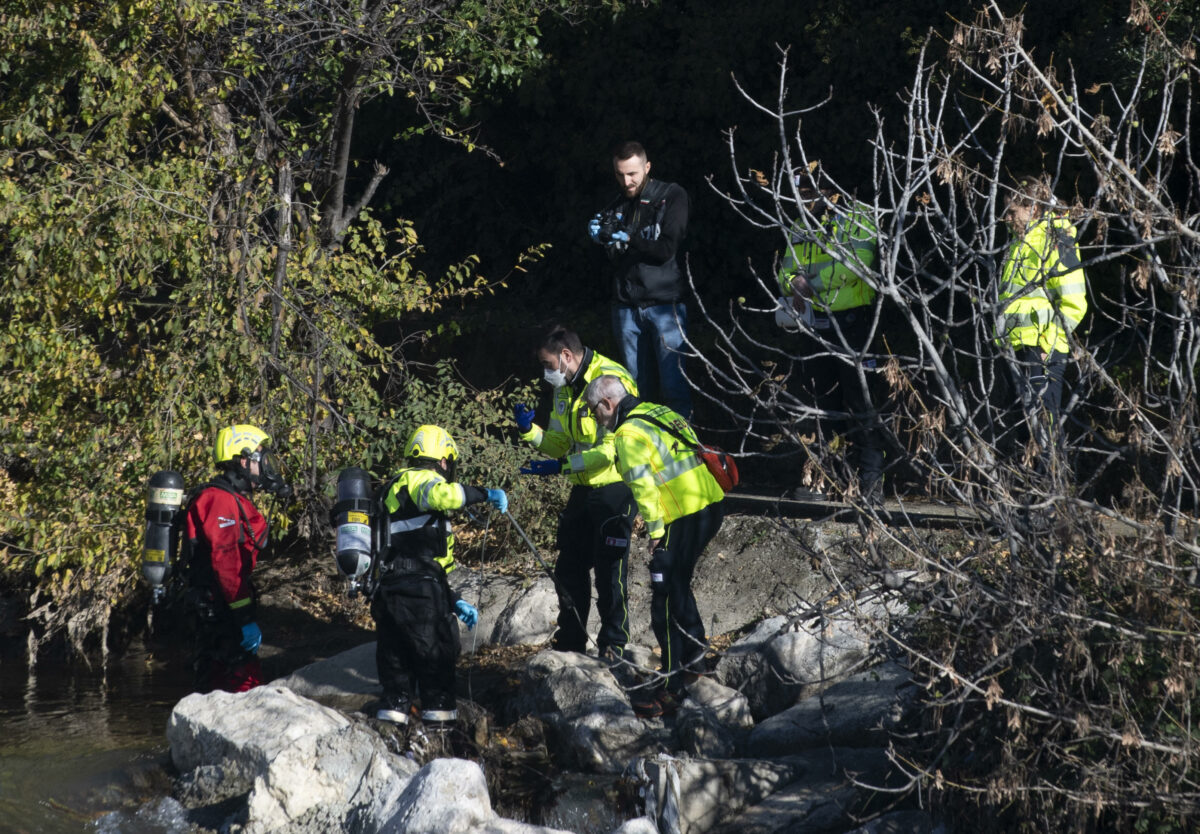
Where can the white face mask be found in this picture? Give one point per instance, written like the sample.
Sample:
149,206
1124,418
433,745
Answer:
555,377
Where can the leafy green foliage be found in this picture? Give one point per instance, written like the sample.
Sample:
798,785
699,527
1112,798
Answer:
182,254
481,423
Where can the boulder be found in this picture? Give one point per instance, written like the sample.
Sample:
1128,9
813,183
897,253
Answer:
512,611
348,681
444,795
712,720
586,712
691,796
856,712
529,617
820,799
729,706
701,735
785,659
451,795
293,757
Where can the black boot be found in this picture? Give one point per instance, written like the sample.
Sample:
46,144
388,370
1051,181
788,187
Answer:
394,708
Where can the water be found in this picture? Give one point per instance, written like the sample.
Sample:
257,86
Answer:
85,750
78,743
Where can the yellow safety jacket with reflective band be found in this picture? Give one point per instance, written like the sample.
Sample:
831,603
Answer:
417,503
834,256
1042,287
572,431
668,479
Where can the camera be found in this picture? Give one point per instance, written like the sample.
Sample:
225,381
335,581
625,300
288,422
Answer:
610,223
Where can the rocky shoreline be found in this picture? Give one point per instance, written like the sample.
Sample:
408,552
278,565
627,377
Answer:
788,732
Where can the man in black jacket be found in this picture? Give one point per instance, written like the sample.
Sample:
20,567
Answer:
641,231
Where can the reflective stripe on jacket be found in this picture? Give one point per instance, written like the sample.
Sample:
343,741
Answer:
572,431
834,256
417,502
668,479
1043,284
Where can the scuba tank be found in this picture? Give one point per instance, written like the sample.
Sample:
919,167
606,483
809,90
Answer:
161,540
352,518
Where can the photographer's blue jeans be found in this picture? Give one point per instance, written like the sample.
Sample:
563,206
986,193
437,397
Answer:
651,342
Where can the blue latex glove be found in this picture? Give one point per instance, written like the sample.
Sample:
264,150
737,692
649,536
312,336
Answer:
542,467
498,499
251,637
524,415
467,613
594,228
620,238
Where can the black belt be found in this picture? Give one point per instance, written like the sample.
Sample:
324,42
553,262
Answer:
406,565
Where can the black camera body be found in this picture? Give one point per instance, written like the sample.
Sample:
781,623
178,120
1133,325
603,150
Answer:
610,224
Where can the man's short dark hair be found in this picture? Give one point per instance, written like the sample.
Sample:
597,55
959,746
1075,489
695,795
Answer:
627,150
560,338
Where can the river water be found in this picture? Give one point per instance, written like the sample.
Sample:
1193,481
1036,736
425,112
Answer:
85,750
77,743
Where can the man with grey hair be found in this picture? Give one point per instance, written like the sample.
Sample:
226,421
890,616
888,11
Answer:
681,503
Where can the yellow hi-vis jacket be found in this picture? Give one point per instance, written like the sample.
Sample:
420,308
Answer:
668,479
417,503
572,432
1042,286
834,256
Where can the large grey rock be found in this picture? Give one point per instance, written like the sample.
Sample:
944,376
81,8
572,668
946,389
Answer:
712,720
784,659
346,681
729,706
512,610
855,712
444,795
691,796
817,801
587,713
529,617
701,735
450,795
294,756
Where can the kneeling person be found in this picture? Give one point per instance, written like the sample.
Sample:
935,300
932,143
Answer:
414,606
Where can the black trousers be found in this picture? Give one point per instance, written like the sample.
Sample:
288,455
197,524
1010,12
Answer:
674,615
1038,381
594,530
831,380
219,661
417,640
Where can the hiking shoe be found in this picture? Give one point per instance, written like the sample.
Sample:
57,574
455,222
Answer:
645,704
806,494
395,710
